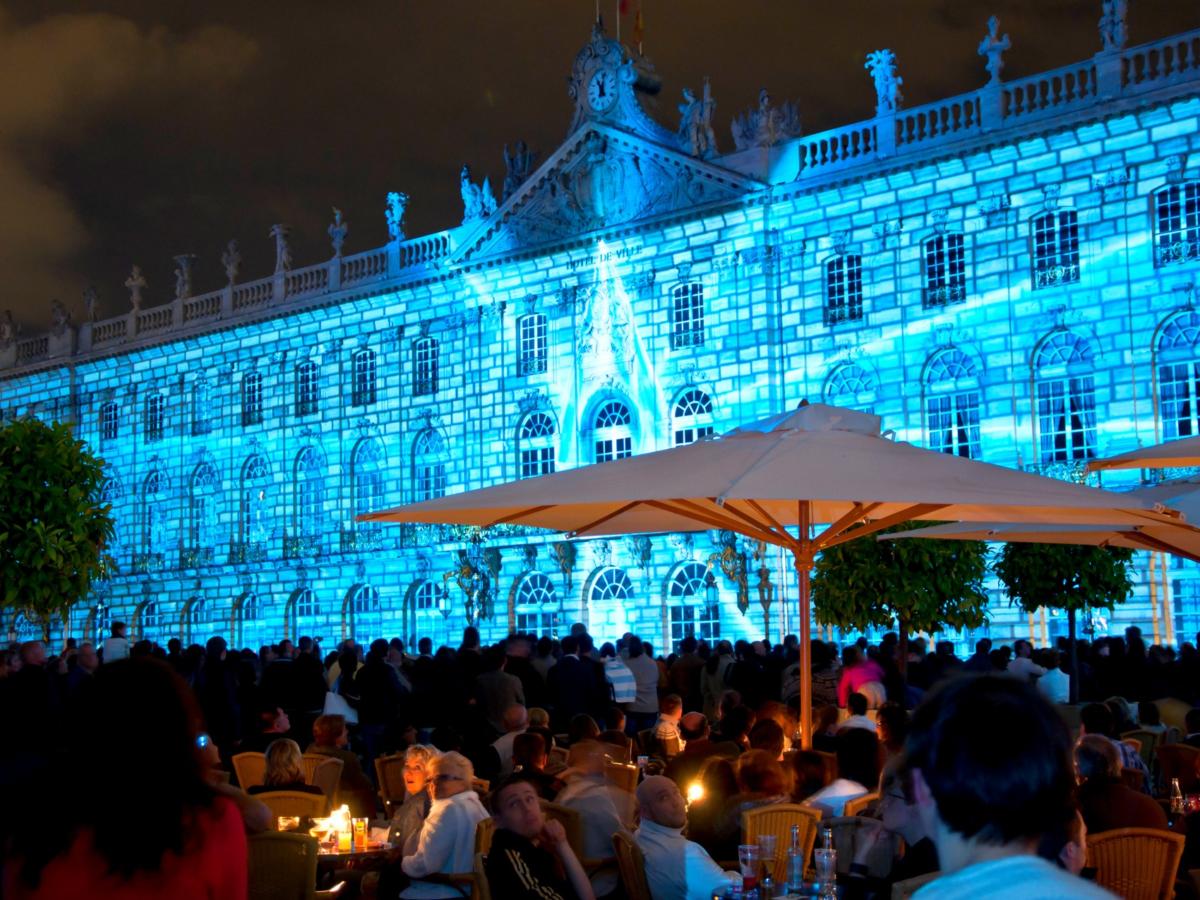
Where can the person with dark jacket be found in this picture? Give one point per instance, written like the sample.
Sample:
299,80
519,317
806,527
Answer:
572,685
216,688
380,698
1104,800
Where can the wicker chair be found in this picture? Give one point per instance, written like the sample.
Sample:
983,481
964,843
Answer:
623,776
1180,761
294,803
848,833
778,819
485,830
1136,863
1133,778
283,866
389,773
632,864
325,772
483,890
571,821
250,768
858,805
1148,742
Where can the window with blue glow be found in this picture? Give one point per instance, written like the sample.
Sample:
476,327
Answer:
1066,400
691,417
302,613
429,466
202,507
688,608
613,437
952,404
245,622
310,493
110,420
1056,248
945,270
154,416
154,514
255,508
252,399
202,407
535,445
366,471
843,289
362,375
1177,223
308,376
687,315
1178,362
850,385
532,344
425,367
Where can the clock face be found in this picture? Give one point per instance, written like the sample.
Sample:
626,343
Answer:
602,90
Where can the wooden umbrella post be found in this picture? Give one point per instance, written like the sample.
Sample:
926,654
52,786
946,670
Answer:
804,562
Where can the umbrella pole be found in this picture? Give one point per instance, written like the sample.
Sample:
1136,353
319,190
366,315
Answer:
804,561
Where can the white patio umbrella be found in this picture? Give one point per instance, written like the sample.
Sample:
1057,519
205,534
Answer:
1167,455
774,481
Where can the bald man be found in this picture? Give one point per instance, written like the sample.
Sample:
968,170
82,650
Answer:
676,868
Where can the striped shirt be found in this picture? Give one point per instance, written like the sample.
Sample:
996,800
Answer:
621,680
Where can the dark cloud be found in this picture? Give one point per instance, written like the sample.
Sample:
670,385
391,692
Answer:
156,129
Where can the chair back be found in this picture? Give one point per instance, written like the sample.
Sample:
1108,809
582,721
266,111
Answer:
849,832
831,766
281,866
859,805
325,772
902,890
632,864
1171,736
389,773
250,768
485,830
1133,778
571,821
294,803
1148,742
1136,863
556,758
1180,761
622,775
483,890
778,819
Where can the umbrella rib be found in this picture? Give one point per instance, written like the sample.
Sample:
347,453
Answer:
600,521
778,534
1153,543
528,511
857,513
695,511
903,515
776,525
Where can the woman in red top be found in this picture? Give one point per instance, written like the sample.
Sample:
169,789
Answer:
135,818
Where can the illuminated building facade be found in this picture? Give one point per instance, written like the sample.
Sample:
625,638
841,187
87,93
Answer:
1007,274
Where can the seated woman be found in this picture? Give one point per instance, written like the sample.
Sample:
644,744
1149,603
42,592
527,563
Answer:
761,781
415,808
330,738
858,772
709,824
164,832
809,773
285,770
445,845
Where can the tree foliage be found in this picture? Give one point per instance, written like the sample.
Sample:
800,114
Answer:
1065,576
53,526
918,585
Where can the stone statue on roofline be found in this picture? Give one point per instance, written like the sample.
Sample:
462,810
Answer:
183,276
231,261
882,65
993,46
766,124
89,302
8,330
397,204
478,200
695,123
136,282
283,253
518,166
60,319
1113,32
338,231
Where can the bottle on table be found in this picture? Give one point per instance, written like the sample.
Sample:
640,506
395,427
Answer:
1177,801
826,865
795,863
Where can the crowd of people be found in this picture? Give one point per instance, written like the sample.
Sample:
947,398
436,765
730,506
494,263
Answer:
113,765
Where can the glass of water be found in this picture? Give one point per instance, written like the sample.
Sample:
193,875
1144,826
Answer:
825,863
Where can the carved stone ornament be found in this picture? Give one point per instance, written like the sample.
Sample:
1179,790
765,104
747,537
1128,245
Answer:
518,166
283,252
231,261
995,207
1113,31
938,219
766,125
183,275
882,66
640,549
601,553
1050,195
1176,164
59,317
696,134
564,553
396,204
90,301
683,545
136,283
992,47
337,230
478,200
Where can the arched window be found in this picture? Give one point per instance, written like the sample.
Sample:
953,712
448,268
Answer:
202,507
535,445
362,388
255,519
688,606
245,622
692,417
309,480
425,367
308,379
196,620
1066,399
1055,248
366,470
111,492
613,437
148,621
687,315
1177,357
429,465
303,611
202,406
154,415
429,595
532,344
1177,223
536,604
363,614
850,385
843,289
952,404
609,598
110,420
97,626
154,514
945,270
252,399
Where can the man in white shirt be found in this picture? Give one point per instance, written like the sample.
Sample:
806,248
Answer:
590,794
618,676
992,771
516,720
116,647
676,868
1022,664
1055,685
445,844
666,729
856,705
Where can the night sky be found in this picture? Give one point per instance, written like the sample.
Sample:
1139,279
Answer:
142,129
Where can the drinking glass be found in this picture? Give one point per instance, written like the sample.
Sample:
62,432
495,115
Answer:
359,826
750,859
767,845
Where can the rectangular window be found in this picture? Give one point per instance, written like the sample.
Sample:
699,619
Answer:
945,270
953,423
702,622
608,449
1177,223
687,315
110,419
431,481
252,400
307,378
539,623
843,289
1067,419
537,461
691,433
1056,249
531,345
1179,387
362,392
425,367
154,417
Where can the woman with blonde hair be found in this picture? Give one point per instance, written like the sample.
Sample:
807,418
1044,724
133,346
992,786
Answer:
446,842
412,812
285,770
